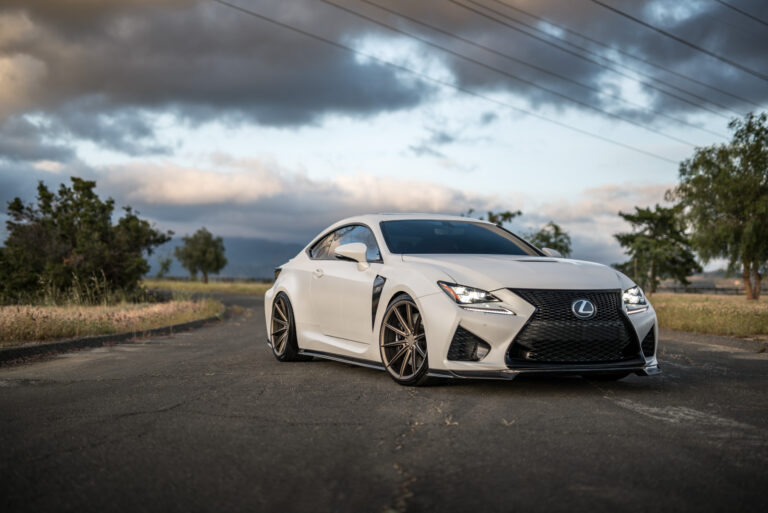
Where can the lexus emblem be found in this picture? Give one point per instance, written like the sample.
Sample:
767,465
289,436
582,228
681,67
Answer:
583,309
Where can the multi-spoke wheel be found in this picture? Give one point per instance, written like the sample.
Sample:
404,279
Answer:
283,330
403,343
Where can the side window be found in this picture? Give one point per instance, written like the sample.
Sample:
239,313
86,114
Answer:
320,250
338,240
362,234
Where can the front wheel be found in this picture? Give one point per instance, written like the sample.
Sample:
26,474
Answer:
403,343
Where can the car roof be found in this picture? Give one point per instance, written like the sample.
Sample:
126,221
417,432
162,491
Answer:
399,216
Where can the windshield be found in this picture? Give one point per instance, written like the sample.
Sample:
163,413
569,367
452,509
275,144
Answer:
452,237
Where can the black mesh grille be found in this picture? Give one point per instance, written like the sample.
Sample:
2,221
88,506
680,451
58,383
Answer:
464,346
554,334
649,344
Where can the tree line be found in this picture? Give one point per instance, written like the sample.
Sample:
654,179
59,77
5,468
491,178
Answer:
67,246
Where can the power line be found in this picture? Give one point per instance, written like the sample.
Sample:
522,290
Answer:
743,13
533,66
628,54
440,82
505,73
682,41
650,85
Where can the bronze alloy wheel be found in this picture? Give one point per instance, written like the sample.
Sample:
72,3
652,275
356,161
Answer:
280,326
403,343
282,331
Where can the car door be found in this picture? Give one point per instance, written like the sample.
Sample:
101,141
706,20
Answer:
341,293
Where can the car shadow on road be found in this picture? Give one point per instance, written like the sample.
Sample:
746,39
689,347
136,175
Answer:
540,385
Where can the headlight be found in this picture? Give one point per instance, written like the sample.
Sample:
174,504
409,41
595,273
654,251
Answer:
634,300
472,299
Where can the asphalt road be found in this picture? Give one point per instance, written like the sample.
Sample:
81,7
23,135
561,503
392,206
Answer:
210,421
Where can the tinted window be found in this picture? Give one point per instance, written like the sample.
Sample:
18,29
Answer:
324,248
320,249
451,237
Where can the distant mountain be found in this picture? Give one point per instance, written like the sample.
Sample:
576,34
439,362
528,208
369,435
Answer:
247,258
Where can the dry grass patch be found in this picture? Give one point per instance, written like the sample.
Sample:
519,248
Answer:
226,287
20,324
712,314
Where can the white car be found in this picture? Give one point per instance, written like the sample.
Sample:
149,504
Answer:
427,295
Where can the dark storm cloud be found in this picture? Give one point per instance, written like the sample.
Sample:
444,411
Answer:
704,23
446,135
427,146
21,140
198,60
98,70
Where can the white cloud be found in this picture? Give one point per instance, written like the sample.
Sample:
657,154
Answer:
248,181
49,166
170,184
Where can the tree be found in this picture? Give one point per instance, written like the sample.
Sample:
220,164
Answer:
724,191
203,253
496,218
68,238
551,236
658,246
164,266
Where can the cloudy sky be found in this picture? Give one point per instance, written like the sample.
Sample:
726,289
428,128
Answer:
197,113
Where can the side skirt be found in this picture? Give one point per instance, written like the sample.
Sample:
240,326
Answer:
361,363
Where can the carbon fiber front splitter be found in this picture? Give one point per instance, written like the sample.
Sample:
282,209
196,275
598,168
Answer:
571,370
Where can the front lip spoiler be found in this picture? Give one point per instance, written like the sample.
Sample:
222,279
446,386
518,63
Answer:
571,370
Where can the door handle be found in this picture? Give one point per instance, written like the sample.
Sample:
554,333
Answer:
318,273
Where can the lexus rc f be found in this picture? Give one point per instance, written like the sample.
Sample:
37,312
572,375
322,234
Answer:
440,296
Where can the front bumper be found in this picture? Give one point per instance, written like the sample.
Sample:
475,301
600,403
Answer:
443,318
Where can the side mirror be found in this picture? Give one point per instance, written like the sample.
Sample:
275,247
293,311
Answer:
551,252
354,251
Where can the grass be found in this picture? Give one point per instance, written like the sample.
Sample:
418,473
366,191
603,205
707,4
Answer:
20,324
712,314
227,287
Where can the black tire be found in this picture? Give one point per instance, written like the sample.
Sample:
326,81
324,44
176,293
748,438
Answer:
608,376
403,343
282,333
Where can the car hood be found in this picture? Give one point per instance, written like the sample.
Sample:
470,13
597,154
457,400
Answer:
492,272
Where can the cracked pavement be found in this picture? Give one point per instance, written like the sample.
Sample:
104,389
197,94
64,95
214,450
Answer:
209,420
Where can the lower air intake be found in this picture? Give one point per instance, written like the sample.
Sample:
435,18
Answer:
649,344
554,334
467,346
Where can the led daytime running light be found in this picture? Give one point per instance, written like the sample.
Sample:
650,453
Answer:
464,295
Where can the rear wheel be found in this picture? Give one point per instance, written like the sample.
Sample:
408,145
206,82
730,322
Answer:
283,330
403,343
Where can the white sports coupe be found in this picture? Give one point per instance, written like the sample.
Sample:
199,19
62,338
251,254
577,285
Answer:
424,295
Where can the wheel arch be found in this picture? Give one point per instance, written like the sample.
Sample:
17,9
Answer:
388,296
288,284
